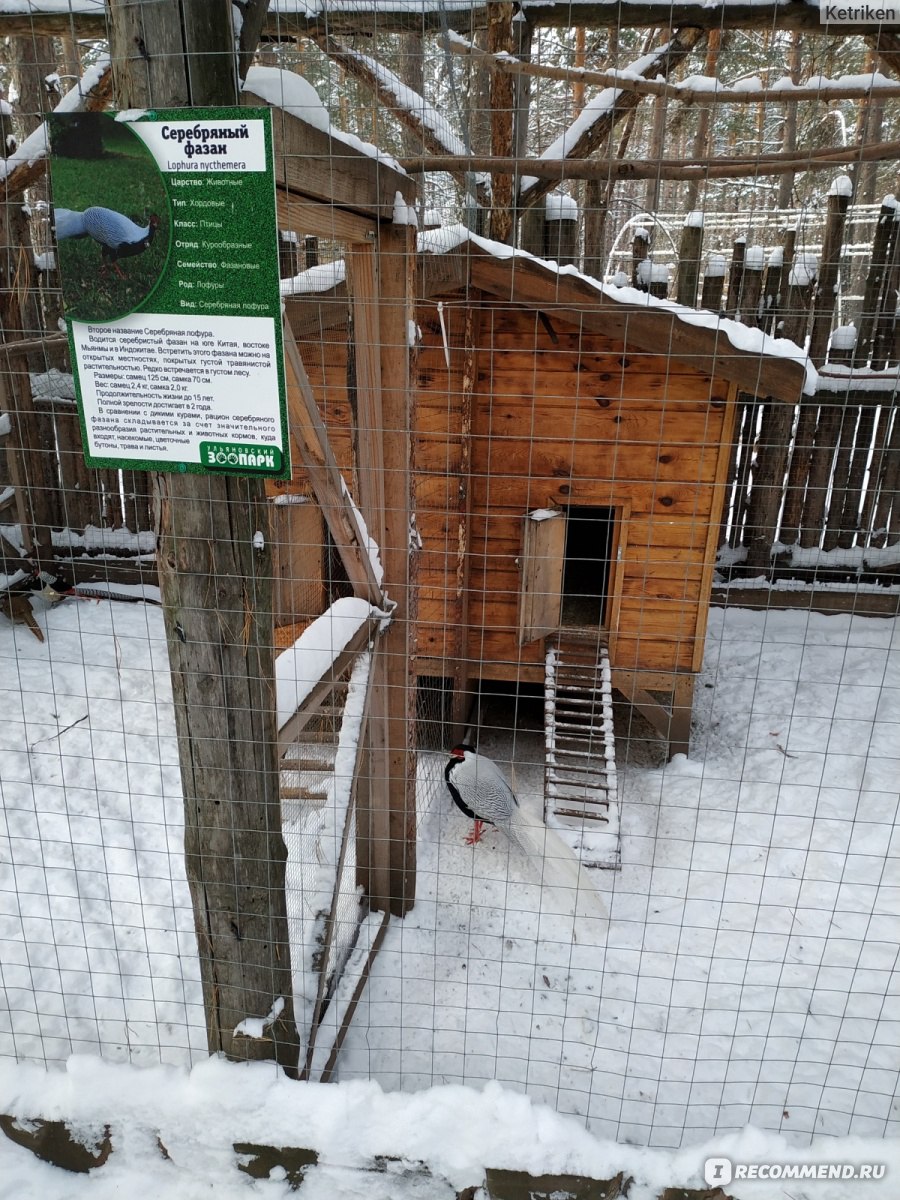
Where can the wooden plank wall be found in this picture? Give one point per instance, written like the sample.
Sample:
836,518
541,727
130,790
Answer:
561,417
566,417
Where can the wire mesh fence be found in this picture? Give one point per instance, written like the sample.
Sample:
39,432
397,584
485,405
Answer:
226,813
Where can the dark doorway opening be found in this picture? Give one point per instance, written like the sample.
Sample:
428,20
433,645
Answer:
588,564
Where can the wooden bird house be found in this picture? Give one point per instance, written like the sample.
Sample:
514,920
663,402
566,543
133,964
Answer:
571,447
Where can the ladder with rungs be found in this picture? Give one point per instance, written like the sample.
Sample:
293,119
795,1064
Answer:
580,791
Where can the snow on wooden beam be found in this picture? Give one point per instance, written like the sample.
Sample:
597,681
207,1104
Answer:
306,671
552,170
317,162
595,122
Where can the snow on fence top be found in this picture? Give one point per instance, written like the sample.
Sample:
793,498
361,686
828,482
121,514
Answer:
299,668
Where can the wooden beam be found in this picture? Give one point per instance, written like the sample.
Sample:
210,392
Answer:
386,848
585,141
311,439
318,166
397,98
284,22
735,167
321,220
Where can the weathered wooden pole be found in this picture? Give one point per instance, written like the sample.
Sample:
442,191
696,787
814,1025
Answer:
217,597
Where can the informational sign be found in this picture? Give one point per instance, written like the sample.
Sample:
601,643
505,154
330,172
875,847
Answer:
168,255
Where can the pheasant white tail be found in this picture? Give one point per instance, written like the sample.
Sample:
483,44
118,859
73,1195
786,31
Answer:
557,864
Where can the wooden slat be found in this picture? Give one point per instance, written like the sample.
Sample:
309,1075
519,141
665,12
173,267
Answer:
321,220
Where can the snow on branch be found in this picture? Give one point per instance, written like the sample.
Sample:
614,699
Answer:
27,162
597,119
410,108
255,1027
299,668
697,89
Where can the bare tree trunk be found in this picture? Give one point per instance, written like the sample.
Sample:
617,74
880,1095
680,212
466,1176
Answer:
217,597
503,103
871,121
714,46
789,129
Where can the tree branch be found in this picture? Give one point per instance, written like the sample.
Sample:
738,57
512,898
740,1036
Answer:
782,92
555,169
582,138
29,161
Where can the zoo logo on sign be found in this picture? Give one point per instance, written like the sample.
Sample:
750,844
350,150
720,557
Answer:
233,456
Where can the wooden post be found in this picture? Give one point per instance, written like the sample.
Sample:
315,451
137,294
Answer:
736,276
885,234
768,481
824,296
561,228
713,283
387,815
461,667
288,256
217,602
640,250
533,231
689,259
754,263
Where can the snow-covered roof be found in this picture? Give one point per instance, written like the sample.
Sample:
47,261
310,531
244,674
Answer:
755,360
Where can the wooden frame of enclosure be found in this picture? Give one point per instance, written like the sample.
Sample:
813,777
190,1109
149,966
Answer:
539,390
332,190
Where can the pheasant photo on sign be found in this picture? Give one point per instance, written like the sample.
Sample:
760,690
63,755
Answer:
110,216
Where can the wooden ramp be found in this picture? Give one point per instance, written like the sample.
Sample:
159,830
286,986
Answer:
580,789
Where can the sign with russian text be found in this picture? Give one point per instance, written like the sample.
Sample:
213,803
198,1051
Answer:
168,255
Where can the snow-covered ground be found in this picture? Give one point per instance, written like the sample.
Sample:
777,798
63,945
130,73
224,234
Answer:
748,973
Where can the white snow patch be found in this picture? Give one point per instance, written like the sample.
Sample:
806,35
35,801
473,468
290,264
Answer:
560,207
317,279
299,668
290,92
255,1027
754,258
841,186
716,266
404,214
694,220
844,337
